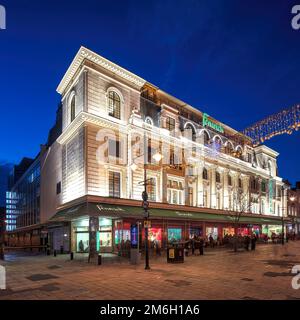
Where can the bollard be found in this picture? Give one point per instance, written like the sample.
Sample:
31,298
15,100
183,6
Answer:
54,253
61,249
48,252
99,259
72,255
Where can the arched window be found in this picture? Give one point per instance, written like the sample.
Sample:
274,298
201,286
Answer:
239,152
149,121
205,138
205,174
218,177
190,132
73,109
228,148
114,105
217,143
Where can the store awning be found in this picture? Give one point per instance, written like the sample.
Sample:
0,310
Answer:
120,211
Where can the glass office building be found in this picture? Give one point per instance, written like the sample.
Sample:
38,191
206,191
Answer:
23,200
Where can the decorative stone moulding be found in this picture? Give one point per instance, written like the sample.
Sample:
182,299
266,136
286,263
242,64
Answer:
85,53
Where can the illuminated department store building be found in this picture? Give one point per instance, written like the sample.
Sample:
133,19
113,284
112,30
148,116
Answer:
199,171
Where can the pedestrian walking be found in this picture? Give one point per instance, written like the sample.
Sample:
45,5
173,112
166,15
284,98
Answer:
247,242
253,242
193,245
197,243
201,246
211,241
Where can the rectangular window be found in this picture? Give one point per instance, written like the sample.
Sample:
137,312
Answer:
114,148
151,189
174,196
150,152
114,184
249,155
58,188
170,123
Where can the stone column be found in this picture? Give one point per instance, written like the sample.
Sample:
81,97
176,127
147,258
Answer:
164,185
93,228
225,190
213,196
186,187
129,190
200,190
247,190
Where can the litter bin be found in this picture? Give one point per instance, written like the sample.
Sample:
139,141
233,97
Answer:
175,255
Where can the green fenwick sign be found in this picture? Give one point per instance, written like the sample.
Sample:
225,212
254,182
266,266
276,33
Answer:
209,123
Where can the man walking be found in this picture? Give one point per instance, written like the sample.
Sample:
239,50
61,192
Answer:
253,242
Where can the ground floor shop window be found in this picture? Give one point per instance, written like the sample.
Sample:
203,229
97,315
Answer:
174,234
195,232
122,232
155,238
82,241
243,231
256,230
105,233
228,232
271,230
212,231
105,239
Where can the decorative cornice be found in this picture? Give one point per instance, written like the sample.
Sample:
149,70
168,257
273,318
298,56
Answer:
86,54
83,118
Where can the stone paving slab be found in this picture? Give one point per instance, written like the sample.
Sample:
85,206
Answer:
219,274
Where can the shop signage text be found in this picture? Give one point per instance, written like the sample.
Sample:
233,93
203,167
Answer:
211,124
101,208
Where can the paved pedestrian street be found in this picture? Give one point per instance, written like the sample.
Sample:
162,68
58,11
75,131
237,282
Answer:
219,274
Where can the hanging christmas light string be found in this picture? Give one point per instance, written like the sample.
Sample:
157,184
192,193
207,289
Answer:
284,122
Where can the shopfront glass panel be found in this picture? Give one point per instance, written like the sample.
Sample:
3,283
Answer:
195,231
212,231
105,237
256,230
174,234
82,242
243,231
271,229
228,232
155,234
122,232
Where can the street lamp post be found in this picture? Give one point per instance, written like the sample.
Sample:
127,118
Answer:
282,225
145,204
282,218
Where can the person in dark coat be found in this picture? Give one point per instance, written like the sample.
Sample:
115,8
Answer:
211,241
247,242
197,243
253,241
193,245
201,246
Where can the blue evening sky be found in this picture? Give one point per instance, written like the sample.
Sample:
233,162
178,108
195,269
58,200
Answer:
236,60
